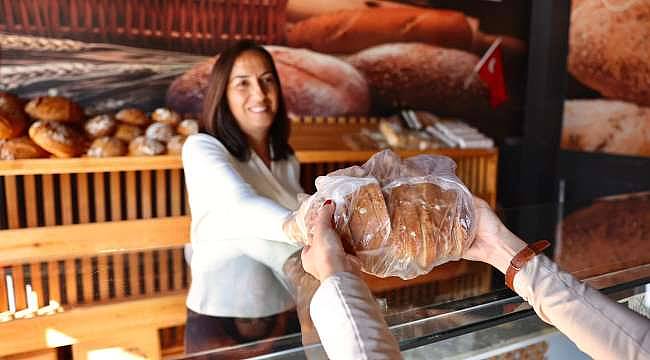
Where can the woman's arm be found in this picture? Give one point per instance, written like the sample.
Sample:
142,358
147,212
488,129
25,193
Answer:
222,204
599,326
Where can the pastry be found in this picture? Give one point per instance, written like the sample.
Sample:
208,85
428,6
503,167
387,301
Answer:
107,147
100,126
21,148
133,116
188,127
55,108
13,119
57,138
175,144
166,116
126,132
159,131
143,146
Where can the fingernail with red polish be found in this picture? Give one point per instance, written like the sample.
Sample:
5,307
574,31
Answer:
327,202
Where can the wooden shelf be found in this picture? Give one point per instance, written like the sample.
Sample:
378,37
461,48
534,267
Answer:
131,163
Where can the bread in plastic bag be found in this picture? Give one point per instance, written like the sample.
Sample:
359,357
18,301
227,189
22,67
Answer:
400,217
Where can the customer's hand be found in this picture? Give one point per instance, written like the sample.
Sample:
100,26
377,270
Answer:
494,243
324,256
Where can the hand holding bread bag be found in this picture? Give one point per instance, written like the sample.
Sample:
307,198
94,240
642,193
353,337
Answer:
400,217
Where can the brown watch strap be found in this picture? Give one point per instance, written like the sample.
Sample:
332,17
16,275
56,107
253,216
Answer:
522,258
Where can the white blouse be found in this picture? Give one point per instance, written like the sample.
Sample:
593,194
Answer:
238,246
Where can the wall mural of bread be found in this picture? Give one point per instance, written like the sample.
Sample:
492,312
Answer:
609,56
339,57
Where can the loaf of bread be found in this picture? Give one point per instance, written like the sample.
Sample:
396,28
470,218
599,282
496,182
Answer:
348,31
166,116
606,126
188,127
21,148
617,226
100,126
175,144
401,217
312,84
133,116
55,108
59,139
127,133
423,77
609,51
144,146
159,131
107,147
13,119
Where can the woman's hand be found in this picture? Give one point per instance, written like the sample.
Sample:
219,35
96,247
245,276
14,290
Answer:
494,243
324,256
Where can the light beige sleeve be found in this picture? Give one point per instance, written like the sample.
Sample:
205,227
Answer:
349,321
599,326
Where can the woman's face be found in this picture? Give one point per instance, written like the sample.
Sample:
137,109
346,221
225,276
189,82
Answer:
253,94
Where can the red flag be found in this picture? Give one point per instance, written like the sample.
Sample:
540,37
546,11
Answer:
490,70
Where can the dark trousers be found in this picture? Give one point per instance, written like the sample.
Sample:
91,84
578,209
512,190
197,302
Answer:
204,332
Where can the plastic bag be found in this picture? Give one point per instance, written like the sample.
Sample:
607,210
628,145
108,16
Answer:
400,217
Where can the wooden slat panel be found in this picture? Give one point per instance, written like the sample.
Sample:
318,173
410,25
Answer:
87,280
11,194
66,199
176,192
102,268
30,200
134,282
37,283
49,210
161,206
131,196
118,277
145,192
116,196
82,198
148,273
19,286
164,270
71,281
53,281
100,204
178,263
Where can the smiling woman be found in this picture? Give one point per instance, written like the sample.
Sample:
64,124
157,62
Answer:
240,169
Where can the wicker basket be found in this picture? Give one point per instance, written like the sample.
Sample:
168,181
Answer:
197,26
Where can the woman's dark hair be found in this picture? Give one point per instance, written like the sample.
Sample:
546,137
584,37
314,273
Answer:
217,119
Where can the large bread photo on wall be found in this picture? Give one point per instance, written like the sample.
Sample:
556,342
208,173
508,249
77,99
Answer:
609,57
312,84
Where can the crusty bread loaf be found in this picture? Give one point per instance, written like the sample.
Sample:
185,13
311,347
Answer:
304,9
609,51
107,147
144,146
422,77
606,126
21,148
312,84
55,108
618,227
348,31
133,116
57,138
188,127
368,218
424,224
13,119
159,131
175,144
100,126
166,116
127,133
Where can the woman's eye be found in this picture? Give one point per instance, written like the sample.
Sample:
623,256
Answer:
241,83
269,79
